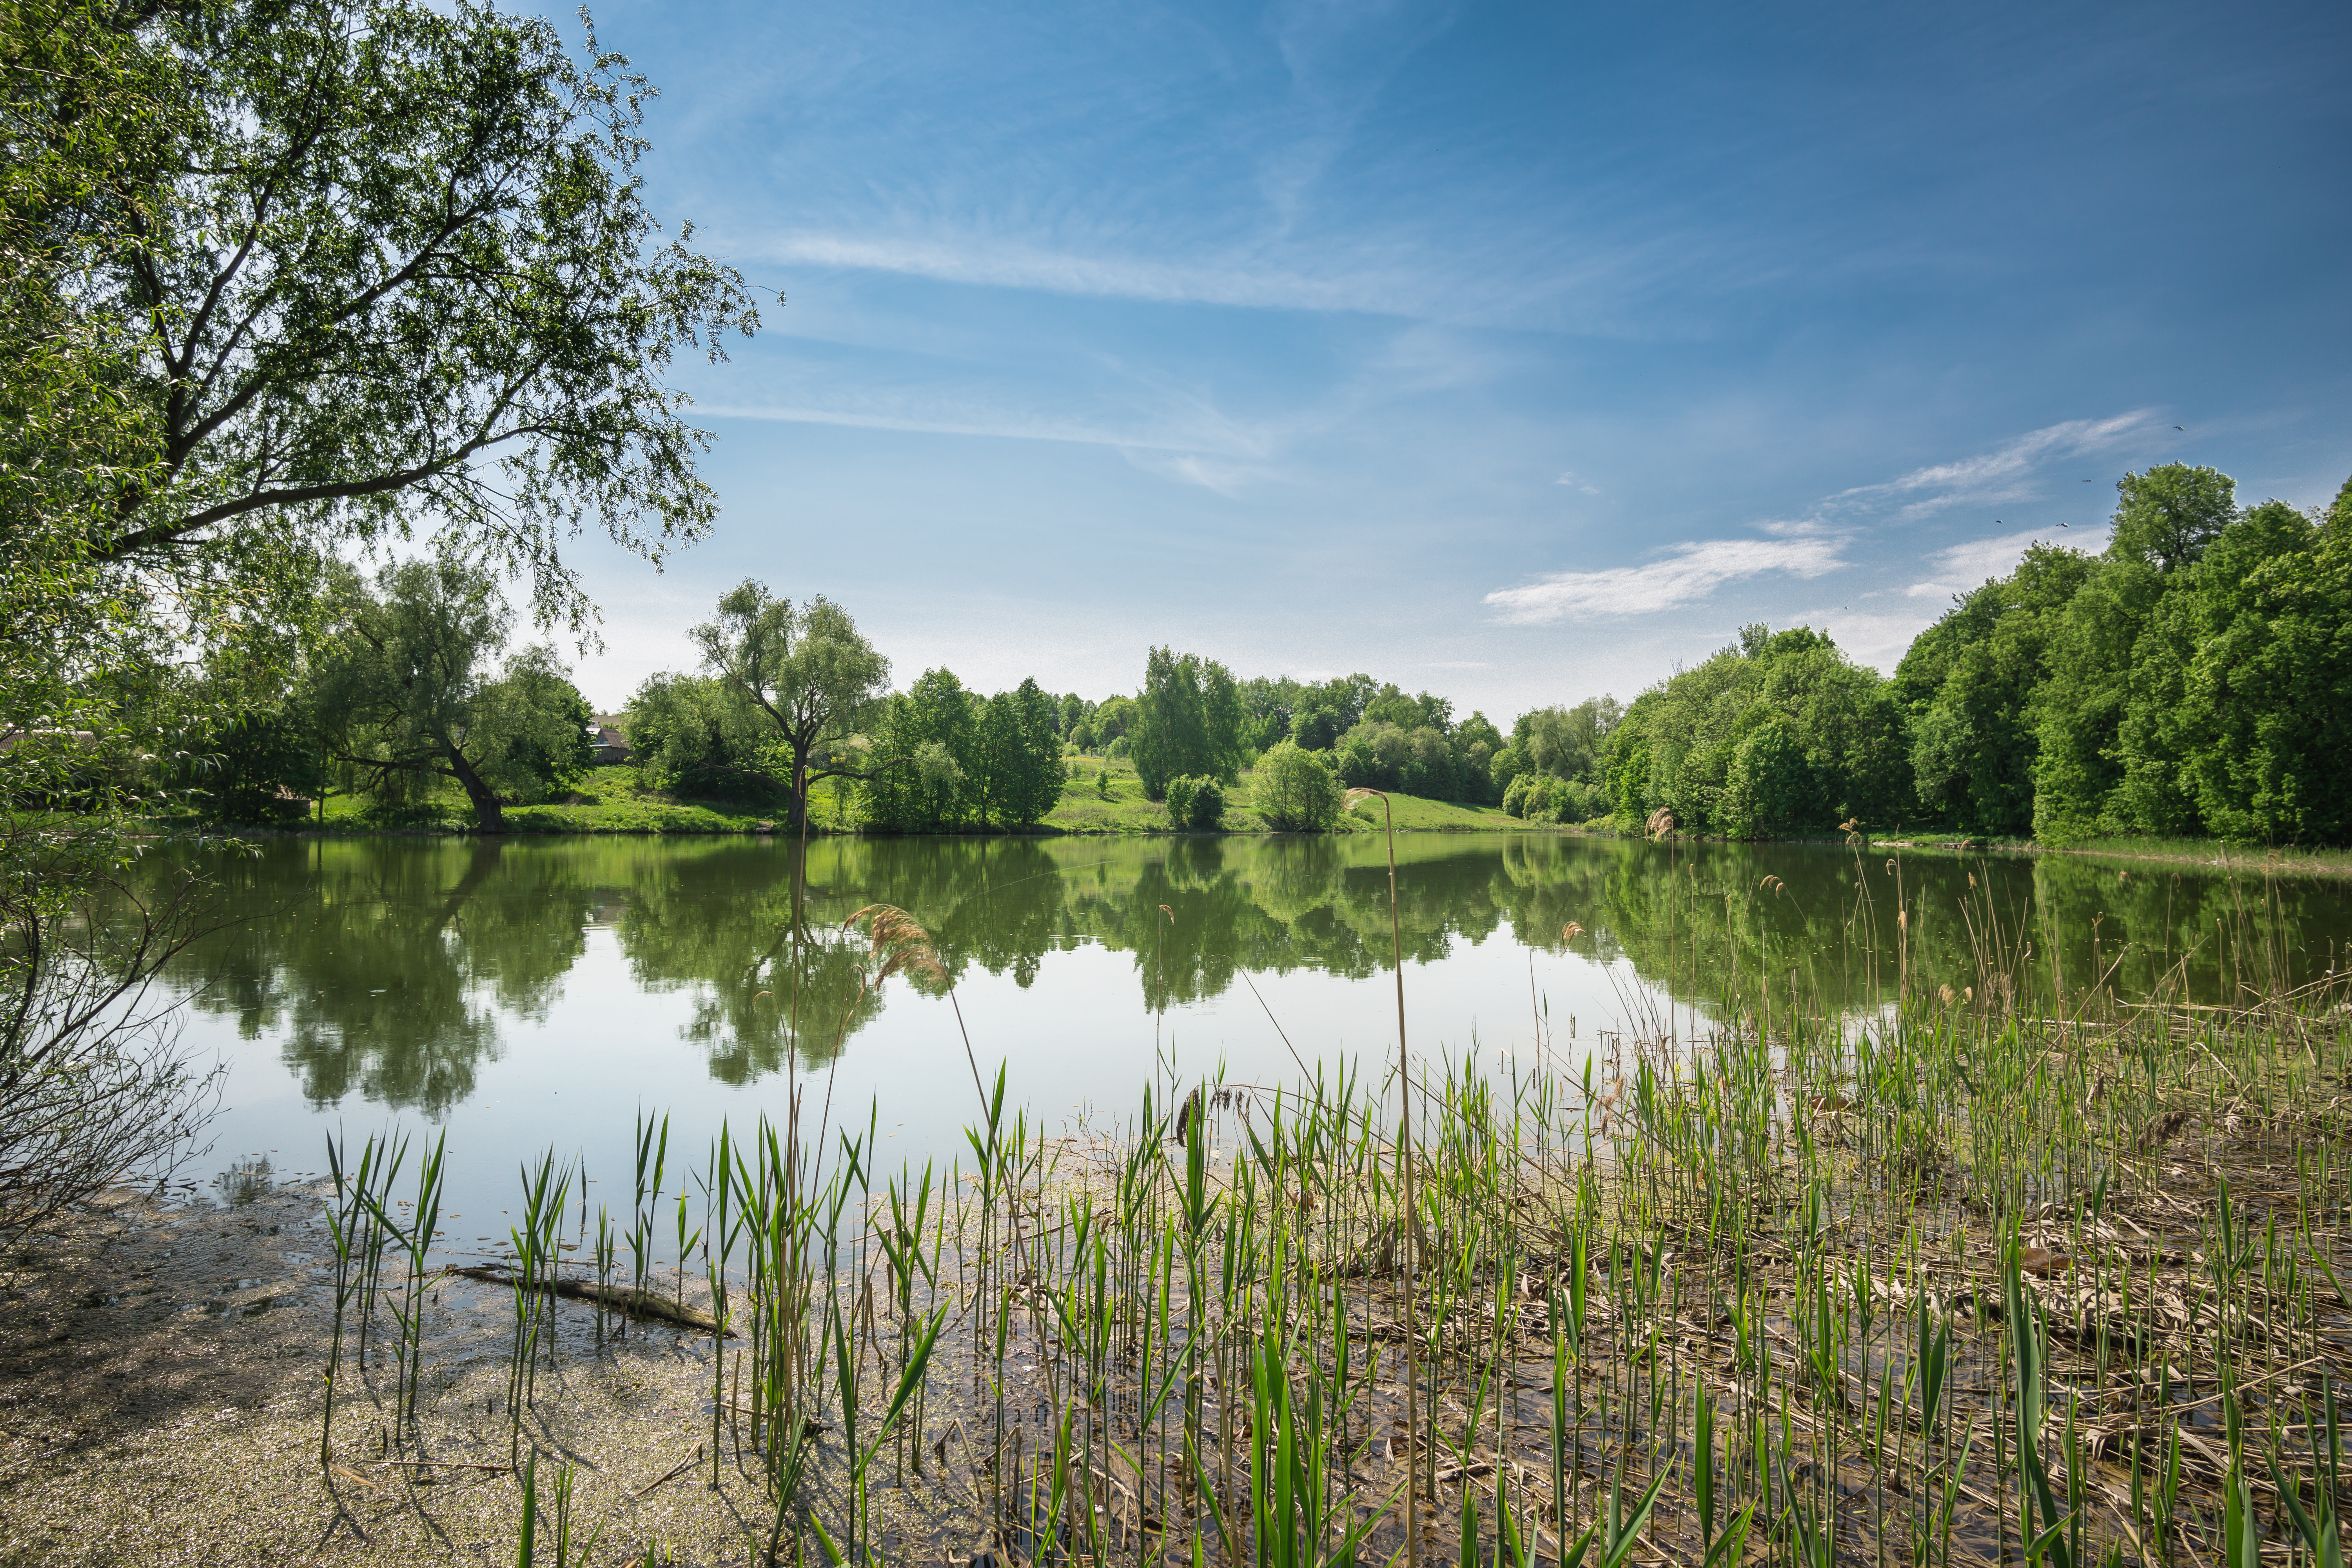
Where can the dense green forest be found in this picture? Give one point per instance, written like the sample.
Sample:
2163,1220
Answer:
2191,681
2194,679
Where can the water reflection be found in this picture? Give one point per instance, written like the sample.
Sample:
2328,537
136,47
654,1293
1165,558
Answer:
387,967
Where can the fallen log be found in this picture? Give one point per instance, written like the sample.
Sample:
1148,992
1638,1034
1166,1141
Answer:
625,1299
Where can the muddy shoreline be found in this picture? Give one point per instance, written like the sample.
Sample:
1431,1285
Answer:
160,1376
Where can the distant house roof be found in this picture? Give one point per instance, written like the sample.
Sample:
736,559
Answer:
609,735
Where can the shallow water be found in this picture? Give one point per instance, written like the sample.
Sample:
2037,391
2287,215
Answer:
537,993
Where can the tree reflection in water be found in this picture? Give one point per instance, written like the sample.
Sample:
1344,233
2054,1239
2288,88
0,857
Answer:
387,966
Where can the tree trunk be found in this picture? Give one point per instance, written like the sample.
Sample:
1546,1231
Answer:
796,815
490,813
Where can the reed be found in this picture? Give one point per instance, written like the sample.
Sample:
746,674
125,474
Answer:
358,1232
653,1154
415,1241
536,1248
2033,1271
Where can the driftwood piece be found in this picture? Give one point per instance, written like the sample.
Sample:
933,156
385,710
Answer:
625,1299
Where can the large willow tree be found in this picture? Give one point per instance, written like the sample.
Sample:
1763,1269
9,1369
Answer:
399,269
281,279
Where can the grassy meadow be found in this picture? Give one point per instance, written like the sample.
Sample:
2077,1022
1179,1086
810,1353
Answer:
1102,796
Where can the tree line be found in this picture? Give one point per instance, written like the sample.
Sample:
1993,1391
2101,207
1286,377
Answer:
939,756
2189,680
2193,679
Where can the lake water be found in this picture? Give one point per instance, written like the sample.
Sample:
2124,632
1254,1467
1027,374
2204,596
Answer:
539,992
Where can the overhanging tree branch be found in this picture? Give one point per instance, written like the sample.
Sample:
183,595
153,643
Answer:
412,203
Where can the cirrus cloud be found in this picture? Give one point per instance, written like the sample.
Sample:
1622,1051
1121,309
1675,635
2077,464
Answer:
1685,574
2005,473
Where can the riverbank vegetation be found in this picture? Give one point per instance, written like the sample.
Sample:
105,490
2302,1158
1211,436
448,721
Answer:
1969,1265
1093,796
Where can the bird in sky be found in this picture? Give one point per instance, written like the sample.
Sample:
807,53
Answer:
2182,429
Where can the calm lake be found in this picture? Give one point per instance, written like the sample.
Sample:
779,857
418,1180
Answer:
539,992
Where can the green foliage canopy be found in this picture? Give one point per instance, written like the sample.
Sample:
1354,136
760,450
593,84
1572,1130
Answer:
395,266
2167,516
698,736
918,781
2211,698
1676,746
2188,682
1296,790
1195,803
1969,684
1188,721
405,695
817,680
1016,772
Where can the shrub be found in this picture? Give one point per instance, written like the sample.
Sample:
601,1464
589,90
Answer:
1195,802
94,1086
1178,794
1539,797
1296,790
1208,803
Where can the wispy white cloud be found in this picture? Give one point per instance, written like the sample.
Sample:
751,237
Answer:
2005,473
1005,427
1244,277
1608,283
1175,428
1210,474
1339,59
1812,546
1684,575
1570,477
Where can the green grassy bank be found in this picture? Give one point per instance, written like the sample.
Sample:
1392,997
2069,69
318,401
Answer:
1106,797
1103,796
2288,860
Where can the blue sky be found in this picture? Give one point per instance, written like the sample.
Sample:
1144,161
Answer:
1518,352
